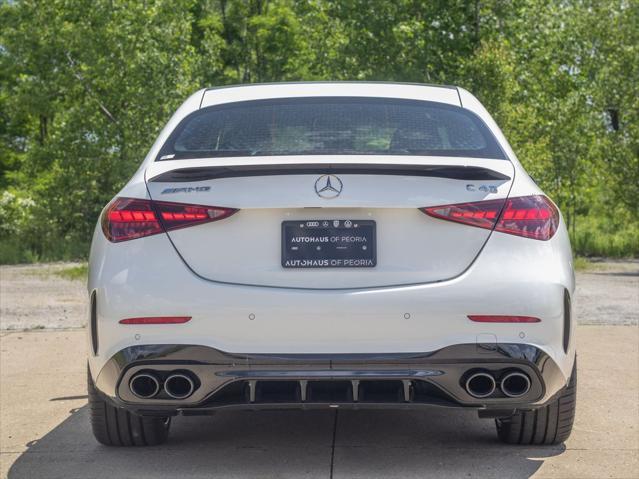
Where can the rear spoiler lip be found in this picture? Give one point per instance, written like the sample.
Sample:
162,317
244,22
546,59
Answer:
456,172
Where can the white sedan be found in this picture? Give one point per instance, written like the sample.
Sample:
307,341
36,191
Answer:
315,245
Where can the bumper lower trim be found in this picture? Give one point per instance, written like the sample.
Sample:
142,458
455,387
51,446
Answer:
329,374
443,370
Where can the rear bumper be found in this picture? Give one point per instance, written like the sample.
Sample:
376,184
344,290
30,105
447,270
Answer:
398,380
529,278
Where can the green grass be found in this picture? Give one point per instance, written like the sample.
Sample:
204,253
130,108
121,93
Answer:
27,250
595,236
582,264
78,272
13,252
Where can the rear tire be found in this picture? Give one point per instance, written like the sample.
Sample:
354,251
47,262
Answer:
547,425
113,426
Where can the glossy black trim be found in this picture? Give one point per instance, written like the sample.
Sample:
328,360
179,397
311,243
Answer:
567,320
455,172
444,369
93,322
330,82
195,354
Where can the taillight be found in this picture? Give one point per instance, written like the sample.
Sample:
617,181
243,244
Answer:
529,216
130,218
482,214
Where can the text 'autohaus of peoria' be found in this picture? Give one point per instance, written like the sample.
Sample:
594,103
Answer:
336,243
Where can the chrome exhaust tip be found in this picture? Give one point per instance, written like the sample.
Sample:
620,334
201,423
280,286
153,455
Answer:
515,384
144,385
179,386
480,385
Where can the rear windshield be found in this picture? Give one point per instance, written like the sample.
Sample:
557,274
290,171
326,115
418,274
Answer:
331,126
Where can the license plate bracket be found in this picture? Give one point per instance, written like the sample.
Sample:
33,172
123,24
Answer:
340,243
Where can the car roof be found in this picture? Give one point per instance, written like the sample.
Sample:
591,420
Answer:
261,91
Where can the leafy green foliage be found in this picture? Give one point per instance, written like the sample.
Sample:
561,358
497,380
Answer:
85,86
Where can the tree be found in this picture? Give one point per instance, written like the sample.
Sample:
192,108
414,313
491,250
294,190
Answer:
85,86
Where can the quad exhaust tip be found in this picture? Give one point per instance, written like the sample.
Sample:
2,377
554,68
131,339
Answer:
515,384
179,386
480,385
144,385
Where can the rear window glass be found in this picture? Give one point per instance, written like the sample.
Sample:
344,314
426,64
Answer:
331,126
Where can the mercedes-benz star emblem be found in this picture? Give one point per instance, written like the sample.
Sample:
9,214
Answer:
328,186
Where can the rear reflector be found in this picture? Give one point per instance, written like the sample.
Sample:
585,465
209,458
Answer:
503,319
129,218
157,320
533,217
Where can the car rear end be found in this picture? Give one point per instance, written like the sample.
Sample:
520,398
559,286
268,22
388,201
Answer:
343,245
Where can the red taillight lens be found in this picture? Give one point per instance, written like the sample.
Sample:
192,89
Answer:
129,218
482,214
529,216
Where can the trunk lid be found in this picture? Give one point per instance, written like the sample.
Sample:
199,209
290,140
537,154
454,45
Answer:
411,247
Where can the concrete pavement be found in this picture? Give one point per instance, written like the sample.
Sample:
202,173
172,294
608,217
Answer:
45,431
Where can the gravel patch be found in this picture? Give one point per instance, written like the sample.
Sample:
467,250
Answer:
608,293
35,297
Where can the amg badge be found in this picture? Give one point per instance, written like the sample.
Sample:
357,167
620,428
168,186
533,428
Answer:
189,189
